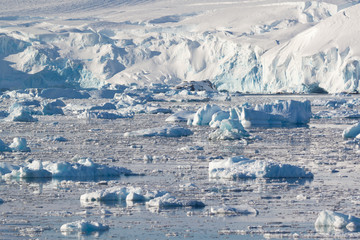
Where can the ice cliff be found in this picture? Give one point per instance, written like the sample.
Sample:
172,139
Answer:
307,46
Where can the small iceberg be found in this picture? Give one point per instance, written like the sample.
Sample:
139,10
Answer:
84,227
242,167
181,116
232,211
19,145
166,131
329,221
204,115
352,131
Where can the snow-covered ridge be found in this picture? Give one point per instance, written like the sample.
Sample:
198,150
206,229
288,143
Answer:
304,46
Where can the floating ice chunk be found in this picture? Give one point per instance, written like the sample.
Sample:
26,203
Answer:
32,170
120,194
166,131
110,194
19,145
232,211
191,148
19,113
166,201
218,117
328,221
53,108
352,131
83,227
204,115
4,147
85,168
181,116
241,167
1,201
279,113
230,129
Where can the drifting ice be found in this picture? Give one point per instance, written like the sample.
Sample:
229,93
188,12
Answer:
83,227
241,167
329,220
352,131
19,145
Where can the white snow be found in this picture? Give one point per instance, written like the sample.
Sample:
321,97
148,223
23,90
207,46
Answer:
84,227
242,167
166,131
328,221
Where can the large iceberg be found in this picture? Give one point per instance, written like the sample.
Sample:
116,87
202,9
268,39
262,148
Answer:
242,167
280,113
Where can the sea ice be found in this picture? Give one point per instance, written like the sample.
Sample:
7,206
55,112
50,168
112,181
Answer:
19,145
328,221
166,131
242,167
83,227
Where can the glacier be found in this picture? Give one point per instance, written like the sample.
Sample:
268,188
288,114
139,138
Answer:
306,47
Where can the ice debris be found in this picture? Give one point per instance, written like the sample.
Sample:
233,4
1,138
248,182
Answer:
83,227
328,221
169,201
352,131
242,167
53,108
166,131
279,114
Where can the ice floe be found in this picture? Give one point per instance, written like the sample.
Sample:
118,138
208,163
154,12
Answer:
242,167
166,131
329,221
83,226
169,201
233,211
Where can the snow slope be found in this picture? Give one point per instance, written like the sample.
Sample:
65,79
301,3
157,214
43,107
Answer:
249,46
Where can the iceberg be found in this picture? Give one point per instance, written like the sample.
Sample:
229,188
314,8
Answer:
19,113
181,116
352,131
280,113
83,226
204,115
329,221
232,211
19,145
241,167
